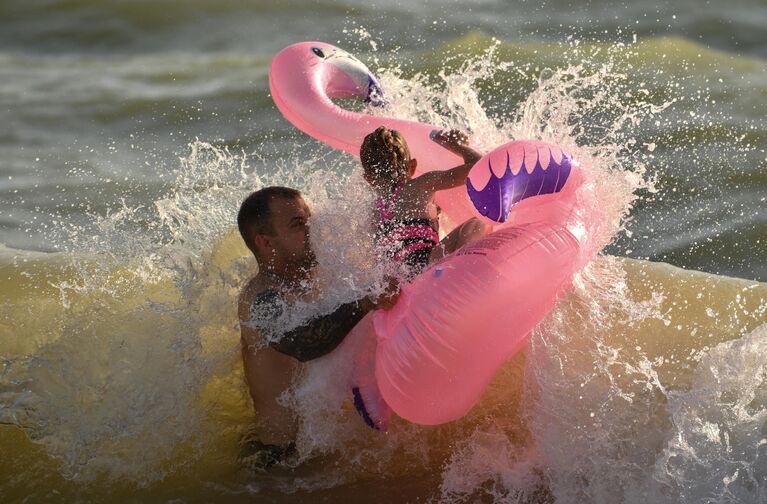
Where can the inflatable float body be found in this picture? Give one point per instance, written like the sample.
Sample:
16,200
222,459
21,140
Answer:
452,327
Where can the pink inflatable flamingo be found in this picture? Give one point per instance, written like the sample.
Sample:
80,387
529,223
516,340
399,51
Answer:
303,78
458,321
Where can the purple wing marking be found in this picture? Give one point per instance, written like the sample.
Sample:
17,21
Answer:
500,194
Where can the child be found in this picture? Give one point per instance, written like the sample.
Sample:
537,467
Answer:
408,230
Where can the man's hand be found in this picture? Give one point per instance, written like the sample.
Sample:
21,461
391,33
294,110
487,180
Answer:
390,295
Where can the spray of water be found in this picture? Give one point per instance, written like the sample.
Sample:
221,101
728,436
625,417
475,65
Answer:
144,350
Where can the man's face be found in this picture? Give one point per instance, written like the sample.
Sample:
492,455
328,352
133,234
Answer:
290,240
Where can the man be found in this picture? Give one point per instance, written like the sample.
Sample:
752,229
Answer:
273,223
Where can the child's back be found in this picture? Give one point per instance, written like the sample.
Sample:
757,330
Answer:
408,231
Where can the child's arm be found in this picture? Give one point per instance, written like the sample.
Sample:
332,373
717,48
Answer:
457,142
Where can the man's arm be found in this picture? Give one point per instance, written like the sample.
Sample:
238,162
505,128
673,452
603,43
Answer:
321,335
268,373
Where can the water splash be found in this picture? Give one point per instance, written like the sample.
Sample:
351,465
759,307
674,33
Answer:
141,349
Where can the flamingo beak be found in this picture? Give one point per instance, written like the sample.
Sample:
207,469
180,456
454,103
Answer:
353,78
375,95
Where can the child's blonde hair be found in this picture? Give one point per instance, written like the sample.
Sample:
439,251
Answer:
385,157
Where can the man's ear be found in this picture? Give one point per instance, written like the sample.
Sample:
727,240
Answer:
263,242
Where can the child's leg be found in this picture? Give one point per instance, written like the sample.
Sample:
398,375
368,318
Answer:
470,230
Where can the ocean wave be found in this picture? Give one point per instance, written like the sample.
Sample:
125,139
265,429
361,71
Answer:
88,26
131,383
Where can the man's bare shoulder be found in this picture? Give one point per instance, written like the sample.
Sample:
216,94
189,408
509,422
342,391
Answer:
249,335
248,294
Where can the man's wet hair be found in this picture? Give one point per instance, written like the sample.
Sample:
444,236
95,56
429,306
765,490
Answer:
255,214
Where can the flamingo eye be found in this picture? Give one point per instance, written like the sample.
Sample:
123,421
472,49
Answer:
318,52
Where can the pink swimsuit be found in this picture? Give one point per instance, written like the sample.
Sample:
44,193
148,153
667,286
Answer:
408,241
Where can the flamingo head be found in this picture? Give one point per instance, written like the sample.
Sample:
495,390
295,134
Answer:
338,73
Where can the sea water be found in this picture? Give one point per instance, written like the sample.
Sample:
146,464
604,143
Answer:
133,132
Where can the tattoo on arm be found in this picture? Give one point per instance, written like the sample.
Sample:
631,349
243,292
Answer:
316,337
